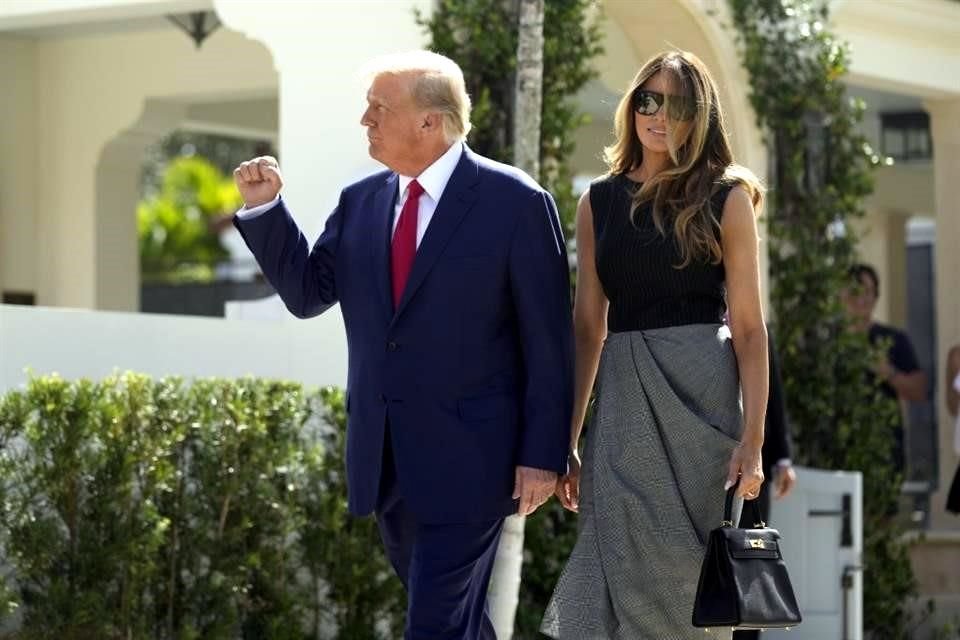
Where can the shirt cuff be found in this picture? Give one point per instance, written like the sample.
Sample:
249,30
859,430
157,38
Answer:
784,462
245,214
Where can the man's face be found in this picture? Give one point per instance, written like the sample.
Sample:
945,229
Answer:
860,300
392,120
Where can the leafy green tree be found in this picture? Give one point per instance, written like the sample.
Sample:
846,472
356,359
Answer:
481,36
177,227
224,152
821,172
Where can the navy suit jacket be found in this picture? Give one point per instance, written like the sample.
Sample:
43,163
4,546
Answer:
776,438
473,372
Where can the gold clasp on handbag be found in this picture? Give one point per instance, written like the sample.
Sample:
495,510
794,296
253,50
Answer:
756,543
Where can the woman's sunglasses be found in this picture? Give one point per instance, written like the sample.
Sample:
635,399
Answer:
648,103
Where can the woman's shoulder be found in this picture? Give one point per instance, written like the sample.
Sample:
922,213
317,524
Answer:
604,184
603,189
739,179
605,195
719,193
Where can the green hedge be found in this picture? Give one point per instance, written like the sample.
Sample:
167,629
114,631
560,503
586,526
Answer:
139,508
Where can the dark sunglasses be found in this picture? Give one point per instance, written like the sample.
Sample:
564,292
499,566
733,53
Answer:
648,103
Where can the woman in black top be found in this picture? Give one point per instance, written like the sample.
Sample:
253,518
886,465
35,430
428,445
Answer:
667,243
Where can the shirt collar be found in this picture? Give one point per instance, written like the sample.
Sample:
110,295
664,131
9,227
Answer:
434,178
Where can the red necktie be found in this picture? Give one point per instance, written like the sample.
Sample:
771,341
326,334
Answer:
404,247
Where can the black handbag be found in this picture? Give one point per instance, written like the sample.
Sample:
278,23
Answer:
744,582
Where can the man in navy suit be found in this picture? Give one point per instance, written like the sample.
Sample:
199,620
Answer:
451,275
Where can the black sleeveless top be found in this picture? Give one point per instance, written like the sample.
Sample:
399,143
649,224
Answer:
637,266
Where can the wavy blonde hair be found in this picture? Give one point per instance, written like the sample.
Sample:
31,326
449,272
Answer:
702,162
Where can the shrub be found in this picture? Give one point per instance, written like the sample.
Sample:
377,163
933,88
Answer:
170,509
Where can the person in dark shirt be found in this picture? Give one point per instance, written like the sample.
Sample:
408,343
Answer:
953,407
778,467
900,377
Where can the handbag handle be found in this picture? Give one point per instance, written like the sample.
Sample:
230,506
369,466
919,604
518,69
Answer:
758,522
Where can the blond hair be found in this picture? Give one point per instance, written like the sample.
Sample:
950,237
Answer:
702,161
436,84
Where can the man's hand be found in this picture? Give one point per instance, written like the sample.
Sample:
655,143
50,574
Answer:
533,487
258,180
784,480
883,369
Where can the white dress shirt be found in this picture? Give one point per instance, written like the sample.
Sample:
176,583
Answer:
433,179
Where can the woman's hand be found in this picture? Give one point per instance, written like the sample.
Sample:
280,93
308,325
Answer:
747,465
568,486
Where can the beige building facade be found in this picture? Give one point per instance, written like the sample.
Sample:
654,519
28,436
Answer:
89,84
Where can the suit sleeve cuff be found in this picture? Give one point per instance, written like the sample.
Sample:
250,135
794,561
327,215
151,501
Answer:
557,464
246,214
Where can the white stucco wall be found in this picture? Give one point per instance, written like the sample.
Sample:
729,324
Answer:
89,91
902,46
79,94
94,344
19,14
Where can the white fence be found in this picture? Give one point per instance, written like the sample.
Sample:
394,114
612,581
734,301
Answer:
93,344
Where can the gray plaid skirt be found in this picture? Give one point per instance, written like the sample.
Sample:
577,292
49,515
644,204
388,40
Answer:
666,419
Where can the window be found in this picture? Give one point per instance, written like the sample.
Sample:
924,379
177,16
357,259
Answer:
906,135
19,297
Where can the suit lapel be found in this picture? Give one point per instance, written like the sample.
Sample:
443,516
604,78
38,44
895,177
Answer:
384,201
457,199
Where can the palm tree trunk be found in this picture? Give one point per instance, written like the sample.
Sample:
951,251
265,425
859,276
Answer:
504,592
528,90
505,582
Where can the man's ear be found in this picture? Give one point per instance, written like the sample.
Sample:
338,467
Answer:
430,122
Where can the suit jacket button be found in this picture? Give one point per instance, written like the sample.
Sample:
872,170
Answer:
392,346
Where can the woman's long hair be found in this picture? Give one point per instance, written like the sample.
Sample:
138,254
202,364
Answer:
702,161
